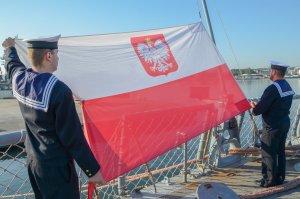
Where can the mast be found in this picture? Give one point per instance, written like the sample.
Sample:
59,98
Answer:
208,21
205,137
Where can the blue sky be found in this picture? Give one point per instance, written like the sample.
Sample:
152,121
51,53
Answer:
253,31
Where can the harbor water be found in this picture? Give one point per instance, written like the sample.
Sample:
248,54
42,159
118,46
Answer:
254,88
11,120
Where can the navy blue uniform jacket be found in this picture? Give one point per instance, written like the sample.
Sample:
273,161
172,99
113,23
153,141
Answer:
55,135
275,103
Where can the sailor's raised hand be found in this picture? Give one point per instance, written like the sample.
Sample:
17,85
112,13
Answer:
252,104
8,42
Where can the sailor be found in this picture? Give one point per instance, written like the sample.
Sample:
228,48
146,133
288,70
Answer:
274,106
55,137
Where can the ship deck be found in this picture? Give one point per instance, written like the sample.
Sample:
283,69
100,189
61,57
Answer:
240,178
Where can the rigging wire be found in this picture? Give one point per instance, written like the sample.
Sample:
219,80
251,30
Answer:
256,132
198,7
229,42
226,34
227,38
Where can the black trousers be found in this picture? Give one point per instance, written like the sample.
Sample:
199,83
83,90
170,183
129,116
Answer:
53,182
273,153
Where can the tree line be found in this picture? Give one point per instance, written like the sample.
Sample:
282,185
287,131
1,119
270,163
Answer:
237,72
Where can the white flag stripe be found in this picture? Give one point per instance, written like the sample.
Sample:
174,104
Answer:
104,65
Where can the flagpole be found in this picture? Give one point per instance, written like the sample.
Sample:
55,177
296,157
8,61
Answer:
208,21
205,137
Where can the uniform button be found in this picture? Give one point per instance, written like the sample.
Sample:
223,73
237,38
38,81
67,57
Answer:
90,174
87,170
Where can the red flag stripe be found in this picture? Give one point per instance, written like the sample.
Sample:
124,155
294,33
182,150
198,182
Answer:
127,130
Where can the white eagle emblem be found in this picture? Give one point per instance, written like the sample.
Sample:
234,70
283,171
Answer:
155,54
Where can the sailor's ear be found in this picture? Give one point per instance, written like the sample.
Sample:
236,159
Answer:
48,55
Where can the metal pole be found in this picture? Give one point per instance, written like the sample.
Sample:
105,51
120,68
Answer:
205,137
209,132
96,193
185,161
121,185
208,21
201,148
121,179
151,176
242,117
256,136
295,127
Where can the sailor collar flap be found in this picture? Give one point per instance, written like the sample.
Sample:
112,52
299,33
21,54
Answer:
33,89
284,89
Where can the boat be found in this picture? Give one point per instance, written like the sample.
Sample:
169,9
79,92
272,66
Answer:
215,155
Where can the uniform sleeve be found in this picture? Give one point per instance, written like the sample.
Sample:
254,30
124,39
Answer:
12,62
266,100
70,133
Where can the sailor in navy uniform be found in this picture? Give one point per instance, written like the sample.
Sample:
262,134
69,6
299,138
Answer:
274,106
55,137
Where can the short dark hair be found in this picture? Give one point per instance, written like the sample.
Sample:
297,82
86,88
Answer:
280,73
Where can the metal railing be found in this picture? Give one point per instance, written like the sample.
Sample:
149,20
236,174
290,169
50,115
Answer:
14,182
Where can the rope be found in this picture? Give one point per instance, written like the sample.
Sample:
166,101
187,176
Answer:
142,175
290,150
254,124
272,190
18,195
256,151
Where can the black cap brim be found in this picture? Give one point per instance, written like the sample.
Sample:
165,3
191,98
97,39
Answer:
42,45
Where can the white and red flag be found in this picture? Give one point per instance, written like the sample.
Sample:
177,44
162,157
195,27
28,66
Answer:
144,93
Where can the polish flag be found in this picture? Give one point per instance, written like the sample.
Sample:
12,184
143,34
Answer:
144,93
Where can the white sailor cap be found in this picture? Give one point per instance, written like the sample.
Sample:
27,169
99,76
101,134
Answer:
278,66
43,42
